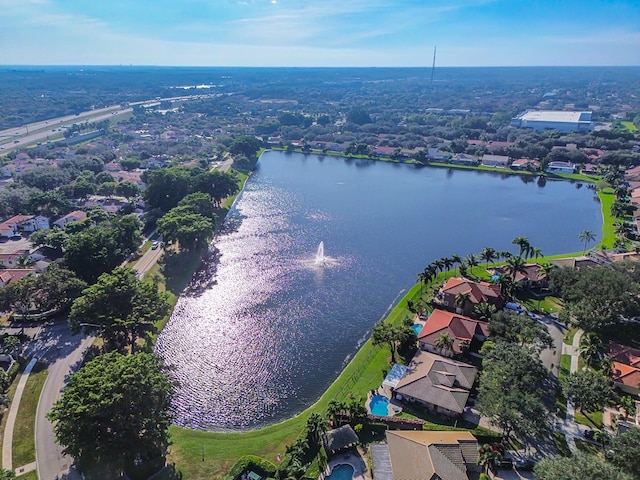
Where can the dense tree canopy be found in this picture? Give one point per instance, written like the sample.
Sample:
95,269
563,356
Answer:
167,186
124,308
589,390
101,248
510,389
519,329
52,290
626,451
578,467
114,413
596,298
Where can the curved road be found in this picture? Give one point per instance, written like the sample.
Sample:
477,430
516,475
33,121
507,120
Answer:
62,352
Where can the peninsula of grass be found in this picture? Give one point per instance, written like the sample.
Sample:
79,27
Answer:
24,448
607,198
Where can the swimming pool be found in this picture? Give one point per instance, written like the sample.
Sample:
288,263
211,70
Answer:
378,406
417,328
341,472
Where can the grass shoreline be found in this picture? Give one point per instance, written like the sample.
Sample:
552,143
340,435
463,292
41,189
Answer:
202,454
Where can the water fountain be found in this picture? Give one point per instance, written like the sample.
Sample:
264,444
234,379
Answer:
320,258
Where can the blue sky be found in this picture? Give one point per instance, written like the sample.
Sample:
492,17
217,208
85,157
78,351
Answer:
320,33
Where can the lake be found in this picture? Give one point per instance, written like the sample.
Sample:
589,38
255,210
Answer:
271,330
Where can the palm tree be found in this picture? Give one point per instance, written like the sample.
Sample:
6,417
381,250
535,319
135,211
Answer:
591,348
472,261
464,346
489,457
601,436
507,286
535,252
488,254
523,243
461,300
444,342
334,407
456,258
505,254
448,263
315,424
439,264
515,265
423,279
586,236
483,311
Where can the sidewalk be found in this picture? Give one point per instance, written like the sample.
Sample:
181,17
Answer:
7,441
569,427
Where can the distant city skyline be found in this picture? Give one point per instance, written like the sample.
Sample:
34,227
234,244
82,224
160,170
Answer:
313,33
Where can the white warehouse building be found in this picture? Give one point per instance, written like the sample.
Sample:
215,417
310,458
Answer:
558,120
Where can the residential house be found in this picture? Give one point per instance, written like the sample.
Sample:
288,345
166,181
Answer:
384,151
23,223
501,161
606,258
9,275
438,383
574,262
75,216
589,169
438,156
560,167
461,329
475,293
531,276
10,260
464,159
525,164
626,368
426,455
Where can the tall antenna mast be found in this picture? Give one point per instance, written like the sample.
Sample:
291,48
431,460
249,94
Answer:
433,67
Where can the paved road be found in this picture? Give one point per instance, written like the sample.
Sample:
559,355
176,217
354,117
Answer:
551,356
19,137
62,352
148,260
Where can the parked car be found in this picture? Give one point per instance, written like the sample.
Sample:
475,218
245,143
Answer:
505,464
525,464
154,245
588,434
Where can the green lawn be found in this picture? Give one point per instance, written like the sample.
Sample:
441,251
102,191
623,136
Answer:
561,401
608,230
630,126
24,449
587,447
591,420
568,336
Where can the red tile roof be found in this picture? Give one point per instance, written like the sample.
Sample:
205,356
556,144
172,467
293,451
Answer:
479,292
626,365
457,326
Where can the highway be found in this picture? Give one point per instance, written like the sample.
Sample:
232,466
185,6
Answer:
29,135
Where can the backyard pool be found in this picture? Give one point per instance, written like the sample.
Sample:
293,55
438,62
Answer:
379,406
341,472
417,328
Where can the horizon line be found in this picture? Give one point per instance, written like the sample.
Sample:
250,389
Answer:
4,65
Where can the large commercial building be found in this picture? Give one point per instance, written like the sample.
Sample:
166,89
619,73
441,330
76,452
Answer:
563,121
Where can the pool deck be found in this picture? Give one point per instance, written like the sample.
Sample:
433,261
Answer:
393,408
355,459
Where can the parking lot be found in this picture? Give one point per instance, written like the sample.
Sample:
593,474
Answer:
9,245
